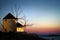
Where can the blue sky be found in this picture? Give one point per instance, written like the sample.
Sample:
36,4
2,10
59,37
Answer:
38,12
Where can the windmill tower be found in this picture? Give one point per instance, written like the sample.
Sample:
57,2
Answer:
9,23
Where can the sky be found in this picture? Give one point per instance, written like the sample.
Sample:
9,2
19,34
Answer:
43,14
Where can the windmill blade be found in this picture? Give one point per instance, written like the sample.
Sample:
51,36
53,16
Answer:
15,10
26,22
28,25
21,22
21,18
18,15
25,19
19,12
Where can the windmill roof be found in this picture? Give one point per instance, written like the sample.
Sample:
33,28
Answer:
9,16
19,25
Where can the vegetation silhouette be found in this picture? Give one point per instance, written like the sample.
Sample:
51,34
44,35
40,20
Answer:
19,36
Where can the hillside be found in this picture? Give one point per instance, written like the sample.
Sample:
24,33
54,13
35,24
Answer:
19,36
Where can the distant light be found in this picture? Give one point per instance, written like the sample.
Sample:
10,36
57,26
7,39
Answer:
19,29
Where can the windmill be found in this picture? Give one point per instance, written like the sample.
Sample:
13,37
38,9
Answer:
18,11
25,23
11,24
23,18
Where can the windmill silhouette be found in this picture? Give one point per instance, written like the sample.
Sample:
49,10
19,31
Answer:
18,12
23,18
10,21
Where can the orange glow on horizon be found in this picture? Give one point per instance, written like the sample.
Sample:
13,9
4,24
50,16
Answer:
42,30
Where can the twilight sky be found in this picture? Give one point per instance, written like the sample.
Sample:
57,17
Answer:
44,14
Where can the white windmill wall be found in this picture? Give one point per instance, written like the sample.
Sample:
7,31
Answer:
9,24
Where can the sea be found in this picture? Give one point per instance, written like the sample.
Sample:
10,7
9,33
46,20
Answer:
51,38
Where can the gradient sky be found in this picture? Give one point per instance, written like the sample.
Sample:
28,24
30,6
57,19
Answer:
44,14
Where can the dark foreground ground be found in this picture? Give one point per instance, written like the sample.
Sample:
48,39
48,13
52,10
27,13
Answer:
19,36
